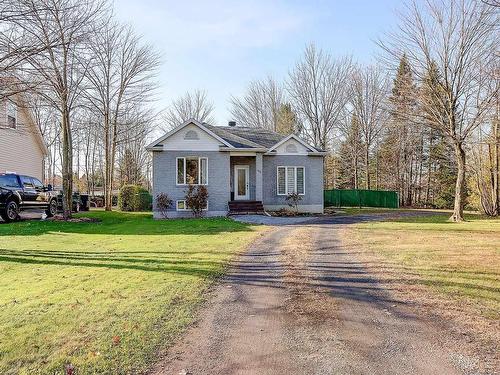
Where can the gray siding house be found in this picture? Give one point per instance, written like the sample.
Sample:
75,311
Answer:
239,166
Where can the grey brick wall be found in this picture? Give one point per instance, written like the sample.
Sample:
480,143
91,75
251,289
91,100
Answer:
313,178
165,174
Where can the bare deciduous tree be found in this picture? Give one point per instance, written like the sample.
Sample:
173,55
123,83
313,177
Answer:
121,79
260,105
318,86
191,105
459,37
368,93
59,30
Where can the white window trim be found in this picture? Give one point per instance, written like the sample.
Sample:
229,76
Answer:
7,103
184,171
186,208
286,179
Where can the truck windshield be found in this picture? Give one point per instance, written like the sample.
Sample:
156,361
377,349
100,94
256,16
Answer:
8,182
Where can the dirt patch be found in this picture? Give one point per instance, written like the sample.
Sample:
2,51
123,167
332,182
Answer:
306,302
74,219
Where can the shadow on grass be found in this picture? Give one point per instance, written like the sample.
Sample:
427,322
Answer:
191,266
121,223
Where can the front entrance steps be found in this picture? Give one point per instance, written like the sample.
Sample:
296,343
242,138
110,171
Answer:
246,207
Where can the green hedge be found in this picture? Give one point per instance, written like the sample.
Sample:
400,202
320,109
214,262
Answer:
134,198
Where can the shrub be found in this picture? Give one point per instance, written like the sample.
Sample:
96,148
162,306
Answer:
163,203
293,200
134,198
197,199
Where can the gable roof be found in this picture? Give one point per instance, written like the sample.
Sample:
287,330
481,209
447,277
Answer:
182,126
240,137
252,137
293,136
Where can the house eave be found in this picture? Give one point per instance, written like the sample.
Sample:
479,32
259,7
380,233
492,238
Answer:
243,149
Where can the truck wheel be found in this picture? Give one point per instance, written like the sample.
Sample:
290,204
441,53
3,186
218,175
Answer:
52,209
11,212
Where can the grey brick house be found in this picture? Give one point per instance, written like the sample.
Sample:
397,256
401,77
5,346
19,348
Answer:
243,168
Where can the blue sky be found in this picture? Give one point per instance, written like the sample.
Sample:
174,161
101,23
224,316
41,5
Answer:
220,45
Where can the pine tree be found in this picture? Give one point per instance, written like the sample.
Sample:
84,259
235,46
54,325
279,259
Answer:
400,145
287,122
441,165
351,157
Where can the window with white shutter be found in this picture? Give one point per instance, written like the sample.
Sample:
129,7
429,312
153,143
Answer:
290,180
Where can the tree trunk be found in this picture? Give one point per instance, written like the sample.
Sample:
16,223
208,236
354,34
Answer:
355,172
429,169
496,167
367,167
67,166
458,209
108,188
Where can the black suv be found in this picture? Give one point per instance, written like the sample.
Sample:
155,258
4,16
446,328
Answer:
19,193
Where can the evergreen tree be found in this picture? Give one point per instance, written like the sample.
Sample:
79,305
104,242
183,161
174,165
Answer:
350,163
441,164
287,122
400,145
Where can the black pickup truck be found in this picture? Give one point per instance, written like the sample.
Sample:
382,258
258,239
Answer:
18,193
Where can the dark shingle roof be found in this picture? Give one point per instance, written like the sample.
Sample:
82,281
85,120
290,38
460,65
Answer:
242,137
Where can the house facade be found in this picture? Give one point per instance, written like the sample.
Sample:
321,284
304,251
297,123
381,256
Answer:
238,165
22,149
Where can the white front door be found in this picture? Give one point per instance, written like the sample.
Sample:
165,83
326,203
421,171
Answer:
241,182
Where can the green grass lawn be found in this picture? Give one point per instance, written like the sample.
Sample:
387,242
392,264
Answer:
460,261
105,297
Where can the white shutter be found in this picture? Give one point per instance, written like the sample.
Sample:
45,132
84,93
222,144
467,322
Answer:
300,180
203,171
281,181
181,171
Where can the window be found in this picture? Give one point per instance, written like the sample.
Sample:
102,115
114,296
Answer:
27,182
182,206
11,114
38,184
290,180
192,171
9,182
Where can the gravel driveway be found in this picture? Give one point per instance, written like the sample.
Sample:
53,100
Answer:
298,302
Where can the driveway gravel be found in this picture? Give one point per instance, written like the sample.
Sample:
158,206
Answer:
299,302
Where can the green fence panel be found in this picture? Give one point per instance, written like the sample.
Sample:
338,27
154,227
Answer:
361,198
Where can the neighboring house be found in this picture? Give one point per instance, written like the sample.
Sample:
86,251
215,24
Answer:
240,166
22,149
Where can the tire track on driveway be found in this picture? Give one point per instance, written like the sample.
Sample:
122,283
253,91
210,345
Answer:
299,302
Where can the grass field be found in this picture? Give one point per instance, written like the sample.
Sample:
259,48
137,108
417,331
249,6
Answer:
104,297
460,261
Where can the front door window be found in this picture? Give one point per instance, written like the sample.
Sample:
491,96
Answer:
241,182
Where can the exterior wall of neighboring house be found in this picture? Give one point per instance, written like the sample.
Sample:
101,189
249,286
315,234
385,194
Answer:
244,160
312,200
20,147
165,181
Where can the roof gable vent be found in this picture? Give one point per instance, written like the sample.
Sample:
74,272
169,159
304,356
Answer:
291,148
191,135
